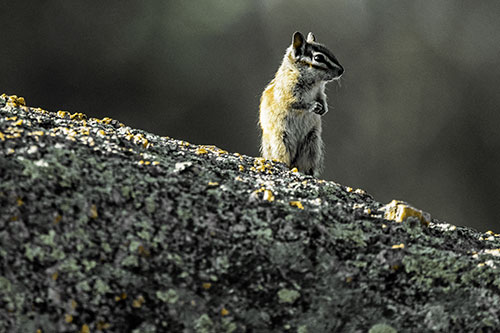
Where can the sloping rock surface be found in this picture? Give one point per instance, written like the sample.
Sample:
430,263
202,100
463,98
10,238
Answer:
106,228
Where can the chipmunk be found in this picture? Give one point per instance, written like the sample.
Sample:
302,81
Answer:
292,104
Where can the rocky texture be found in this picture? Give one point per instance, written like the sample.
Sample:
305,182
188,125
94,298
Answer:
105,228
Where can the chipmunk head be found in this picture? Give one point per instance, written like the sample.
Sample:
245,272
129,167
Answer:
313,59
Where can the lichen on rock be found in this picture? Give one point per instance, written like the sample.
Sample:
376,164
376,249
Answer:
106,228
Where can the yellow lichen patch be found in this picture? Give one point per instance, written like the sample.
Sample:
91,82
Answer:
121,297
84,131
63,114
85,329
491,236
493,252
213,183
294,170
106,120
39,110
137,303
74,304
101,325
101,132
399,211
138,139
201,151
93,211
68,318
221,152
55,276
224,312
398,246
19,201
129,136
156,163
489,263
57,219
38,331
14,101
2,136
14,135
37,133
297,204
78,116
206,285
267,194
241,167
21,101
14,130
18,123
261,165
348,189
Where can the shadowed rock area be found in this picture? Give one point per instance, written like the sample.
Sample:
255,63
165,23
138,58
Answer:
106,228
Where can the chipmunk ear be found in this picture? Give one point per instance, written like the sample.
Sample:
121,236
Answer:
310,37
298,43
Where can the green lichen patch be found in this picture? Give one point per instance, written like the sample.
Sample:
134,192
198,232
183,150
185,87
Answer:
288,296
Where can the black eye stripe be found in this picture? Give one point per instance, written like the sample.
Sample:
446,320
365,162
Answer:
319,58
323,59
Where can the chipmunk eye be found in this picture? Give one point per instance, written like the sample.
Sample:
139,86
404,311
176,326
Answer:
319,58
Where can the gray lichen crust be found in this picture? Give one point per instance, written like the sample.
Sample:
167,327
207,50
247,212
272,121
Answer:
105,228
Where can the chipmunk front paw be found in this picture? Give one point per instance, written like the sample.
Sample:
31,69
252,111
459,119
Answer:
318,108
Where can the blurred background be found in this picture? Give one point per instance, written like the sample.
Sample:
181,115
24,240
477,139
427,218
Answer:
414,118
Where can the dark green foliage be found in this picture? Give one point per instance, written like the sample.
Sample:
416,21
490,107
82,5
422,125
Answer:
112,229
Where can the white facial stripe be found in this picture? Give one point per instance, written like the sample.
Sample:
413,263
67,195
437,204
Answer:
328,60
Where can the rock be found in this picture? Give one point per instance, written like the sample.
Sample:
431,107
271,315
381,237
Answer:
106,228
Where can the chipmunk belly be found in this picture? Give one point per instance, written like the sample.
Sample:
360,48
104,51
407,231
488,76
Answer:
302,139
